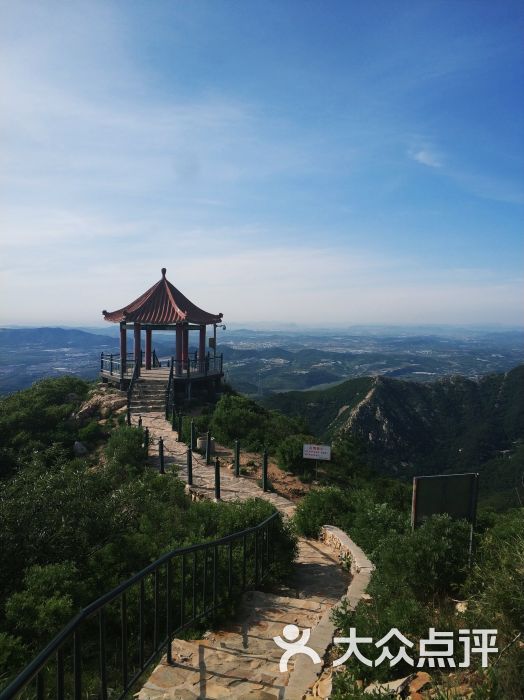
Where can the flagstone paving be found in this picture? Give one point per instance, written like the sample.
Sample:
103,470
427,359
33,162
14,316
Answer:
242,660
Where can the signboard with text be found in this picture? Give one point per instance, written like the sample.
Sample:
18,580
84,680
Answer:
317,452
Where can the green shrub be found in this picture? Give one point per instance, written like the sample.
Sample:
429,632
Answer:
325,506
33,419
91,433
125,450
289,454
238,418
45,603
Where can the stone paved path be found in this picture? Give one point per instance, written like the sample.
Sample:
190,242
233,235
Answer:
241,661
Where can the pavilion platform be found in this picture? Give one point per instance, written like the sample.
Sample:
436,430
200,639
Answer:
195,370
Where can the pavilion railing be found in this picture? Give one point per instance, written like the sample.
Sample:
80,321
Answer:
197,365
106,648
111,363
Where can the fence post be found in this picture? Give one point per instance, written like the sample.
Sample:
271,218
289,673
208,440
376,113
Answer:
180,424
161,455
217,479
173,419
111,363
189,467
237,458
146,441
128,414
101,361
192,436
264,471
208,447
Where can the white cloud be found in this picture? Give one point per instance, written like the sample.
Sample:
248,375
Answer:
426,156
308,284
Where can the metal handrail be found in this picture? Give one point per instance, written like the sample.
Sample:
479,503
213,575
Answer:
199,365
263,559
170,389
134,377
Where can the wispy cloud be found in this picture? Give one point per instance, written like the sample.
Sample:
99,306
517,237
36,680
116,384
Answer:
426,155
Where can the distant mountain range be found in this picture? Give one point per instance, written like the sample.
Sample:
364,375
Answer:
407,428
262,362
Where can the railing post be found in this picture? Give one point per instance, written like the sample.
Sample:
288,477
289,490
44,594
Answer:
221,362
111,363
208,447
217,479
237,458
264,471
101,361
77,667
180,425
192,435
189,467
146,441
123,631
169,617
173,420
128,413
102,653
60,674
161,455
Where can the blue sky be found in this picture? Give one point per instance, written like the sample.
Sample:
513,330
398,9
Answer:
320,162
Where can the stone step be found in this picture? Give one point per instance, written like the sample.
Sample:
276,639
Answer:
158,397
147,402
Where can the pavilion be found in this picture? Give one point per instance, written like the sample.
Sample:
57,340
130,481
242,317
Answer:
162,308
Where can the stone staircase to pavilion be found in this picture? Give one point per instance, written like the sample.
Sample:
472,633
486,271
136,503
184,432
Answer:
241,661
149,395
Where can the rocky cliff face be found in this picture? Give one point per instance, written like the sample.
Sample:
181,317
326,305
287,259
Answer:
457,422
407,428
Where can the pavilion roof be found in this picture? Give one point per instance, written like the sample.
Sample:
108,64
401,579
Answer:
162,304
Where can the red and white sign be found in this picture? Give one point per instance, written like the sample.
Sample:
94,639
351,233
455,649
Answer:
317,452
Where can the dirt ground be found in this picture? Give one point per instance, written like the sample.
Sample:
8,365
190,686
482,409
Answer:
284,483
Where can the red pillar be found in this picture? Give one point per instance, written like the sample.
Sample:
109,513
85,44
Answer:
138,344
123,348
202,347
149,334
185,345
178,356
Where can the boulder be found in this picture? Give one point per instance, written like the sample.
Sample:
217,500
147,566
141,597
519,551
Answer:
80,449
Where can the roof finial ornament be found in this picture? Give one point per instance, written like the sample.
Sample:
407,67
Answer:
164,272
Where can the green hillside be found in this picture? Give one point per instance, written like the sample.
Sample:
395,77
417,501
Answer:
405,428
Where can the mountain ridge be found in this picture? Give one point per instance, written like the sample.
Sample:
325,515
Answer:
404,428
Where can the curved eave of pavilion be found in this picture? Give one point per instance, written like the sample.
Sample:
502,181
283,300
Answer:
162,304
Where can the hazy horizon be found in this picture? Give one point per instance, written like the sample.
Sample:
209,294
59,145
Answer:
300,328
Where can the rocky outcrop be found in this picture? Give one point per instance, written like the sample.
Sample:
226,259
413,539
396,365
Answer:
101,404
